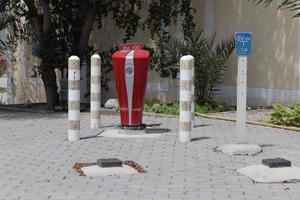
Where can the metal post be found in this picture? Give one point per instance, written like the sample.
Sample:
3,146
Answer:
95,91
185,118
193,96
73,98
241,98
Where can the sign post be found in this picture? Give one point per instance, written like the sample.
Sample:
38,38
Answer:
243,44
243,49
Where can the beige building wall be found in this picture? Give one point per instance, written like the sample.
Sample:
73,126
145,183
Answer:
273,66
25,87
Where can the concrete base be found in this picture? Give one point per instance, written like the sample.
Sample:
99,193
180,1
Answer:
95,170
131,132
120,133
184,138
264,174
240,149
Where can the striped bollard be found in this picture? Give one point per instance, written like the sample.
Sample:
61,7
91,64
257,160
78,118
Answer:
73,98
95,91
186,98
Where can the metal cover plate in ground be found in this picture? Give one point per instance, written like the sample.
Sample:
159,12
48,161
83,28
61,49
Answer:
109,162
276,162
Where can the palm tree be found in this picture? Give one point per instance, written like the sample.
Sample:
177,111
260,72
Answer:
291,5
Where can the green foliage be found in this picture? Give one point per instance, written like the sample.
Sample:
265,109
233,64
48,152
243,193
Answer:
286,116
10,20
210,58
291,5
161,13
155,107
58,33
66,23
213,107
173,109
210,61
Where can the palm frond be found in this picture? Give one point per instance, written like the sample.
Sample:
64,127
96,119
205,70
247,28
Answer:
290,5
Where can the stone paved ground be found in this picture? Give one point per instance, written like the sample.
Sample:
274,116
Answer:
255,115
37,160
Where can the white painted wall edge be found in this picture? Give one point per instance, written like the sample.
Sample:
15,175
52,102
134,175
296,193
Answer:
261,93
298,53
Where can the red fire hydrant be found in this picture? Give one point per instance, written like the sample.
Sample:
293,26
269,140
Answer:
130,67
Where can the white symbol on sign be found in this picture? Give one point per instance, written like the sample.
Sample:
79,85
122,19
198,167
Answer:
243,39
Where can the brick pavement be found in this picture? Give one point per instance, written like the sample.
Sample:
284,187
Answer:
37,160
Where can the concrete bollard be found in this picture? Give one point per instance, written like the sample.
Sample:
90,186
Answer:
95,91
186,98
73,98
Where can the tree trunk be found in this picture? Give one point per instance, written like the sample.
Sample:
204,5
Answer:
42,28
49,78
51,97
86,30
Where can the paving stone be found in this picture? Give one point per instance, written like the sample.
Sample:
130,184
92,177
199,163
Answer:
37,160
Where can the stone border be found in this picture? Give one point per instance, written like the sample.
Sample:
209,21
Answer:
15,108
249,122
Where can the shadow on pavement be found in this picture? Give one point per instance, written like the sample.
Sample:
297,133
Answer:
157,130
200,138
98,135
201,125
266,145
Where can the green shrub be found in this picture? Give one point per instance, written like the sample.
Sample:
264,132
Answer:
286,116
173,108
156,107
212,107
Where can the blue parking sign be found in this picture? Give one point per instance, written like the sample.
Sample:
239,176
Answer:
243,43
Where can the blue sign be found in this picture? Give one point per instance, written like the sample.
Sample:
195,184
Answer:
243,43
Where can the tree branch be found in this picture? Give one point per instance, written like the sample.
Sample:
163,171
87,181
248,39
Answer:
46,16
35,17
87,27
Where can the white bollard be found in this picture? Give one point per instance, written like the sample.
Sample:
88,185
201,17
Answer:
186,96
95,91
73,98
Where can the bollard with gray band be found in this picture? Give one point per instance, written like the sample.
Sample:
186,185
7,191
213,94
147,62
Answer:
95,91
186,98
73,98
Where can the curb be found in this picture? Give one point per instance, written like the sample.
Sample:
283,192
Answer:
250,122
16,109
160,115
